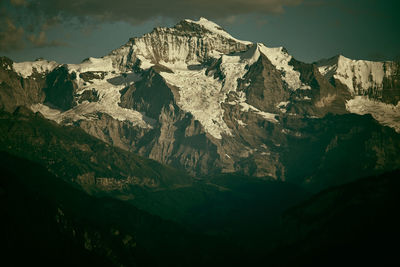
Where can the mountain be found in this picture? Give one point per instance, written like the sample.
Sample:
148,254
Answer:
196,98
78,158
206,205
375,86
187,146
377,80
46,221
352,224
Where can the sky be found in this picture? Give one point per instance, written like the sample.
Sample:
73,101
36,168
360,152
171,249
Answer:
70,31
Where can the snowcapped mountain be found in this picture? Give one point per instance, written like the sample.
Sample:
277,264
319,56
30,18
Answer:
194,97
374,86
361,77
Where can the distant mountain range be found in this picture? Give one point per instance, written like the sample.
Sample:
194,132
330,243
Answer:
48,222
205,139
194,97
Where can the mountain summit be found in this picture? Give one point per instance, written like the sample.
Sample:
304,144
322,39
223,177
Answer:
194,97
187,43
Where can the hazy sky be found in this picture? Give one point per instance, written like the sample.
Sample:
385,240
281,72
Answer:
69,31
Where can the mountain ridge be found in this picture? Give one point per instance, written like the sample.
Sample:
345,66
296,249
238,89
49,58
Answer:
194,97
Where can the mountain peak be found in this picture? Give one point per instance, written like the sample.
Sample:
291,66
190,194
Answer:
208,24
214,28
189,42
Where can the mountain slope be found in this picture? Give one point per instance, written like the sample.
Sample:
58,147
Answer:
48,222
377,80
338,149
77,157
374,86
354,224
194,97
208,205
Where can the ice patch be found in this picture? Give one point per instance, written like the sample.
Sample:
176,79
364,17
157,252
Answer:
357,75
109,97
202,95
178,65
280,59
92,64
234,67
144,63
215,28
6,66
268,116
385,114
26,69
241,123
47,112
327,70
169,46
247,108
305,87
283,106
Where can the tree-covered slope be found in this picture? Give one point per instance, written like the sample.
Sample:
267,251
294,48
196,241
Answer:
47,222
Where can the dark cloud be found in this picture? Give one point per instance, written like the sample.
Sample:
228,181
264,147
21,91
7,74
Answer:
40,40
11,36
139,11
30,19
22,25
386,10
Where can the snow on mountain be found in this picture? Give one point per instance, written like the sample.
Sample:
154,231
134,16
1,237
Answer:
245,107
188,43
107,85
192,43
280,59
195,78
282,106
216,29
385,114
108,90
234,66
202,94
365,81
92,64
184,53
26,69
357,75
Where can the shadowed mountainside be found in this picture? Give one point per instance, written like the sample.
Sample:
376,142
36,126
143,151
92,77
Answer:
47,222
354,224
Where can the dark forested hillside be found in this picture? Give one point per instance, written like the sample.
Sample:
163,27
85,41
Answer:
47,222
355,224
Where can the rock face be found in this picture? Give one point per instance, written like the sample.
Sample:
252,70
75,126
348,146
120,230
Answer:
194,97
377,80
60,88
77,157
188,43
16,90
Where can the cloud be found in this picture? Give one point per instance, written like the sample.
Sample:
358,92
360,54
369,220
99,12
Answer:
140,11
33,18
11,36
40,40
